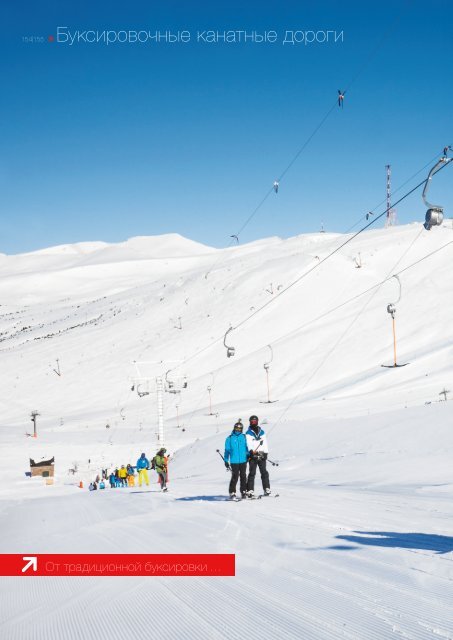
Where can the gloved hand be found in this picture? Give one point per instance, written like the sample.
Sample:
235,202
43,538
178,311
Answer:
227,466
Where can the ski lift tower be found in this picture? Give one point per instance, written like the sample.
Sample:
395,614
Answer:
390,219
162,383
33,416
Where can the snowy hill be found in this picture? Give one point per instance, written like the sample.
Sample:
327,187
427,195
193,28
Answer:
358,545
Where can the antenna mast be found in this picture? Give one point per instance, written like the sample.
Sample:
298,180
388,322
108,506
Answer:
390,219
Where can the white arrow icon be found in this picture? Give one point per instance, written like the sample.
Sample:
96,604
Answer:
32,562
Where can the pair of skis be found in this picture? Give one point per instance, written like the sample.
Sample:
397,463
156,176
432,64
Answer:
264,495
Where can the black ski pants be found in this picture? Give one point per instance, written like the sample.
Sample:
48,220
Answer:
261,463
163,479
238,470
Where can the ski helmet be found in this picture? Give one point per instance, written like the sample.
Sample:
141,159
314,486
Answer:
238,427
254,426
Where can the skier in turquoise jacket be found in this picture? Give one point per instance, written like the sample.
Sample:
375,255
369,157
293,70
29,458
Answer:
236,454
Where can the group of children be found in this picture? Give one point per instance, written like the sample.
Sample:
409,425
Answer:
125,475
122,477
247,448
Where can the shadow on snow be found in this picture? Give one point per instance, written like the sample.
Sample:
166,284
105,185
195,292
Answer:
426,541
204,498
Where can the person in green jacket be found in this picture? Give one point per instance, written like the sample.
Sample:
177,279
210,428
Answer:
159,463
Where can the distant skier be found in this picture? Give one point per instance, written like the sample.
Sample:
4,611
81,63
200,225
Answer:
446,150
236,459
258,450
340,98
130,476
112,480
276,186
159,463
122,475
142,468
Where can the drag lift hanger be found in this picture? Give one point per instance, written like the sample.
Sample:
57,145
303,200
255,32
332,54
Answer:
266,368
435,214
175,385
230,350
141,393
391,309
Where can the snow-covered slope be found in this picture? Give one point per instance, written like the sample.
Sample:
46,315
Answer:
358,545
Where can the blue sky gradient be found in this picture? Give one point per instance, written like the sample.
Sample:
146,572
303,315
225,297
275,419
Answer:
107,142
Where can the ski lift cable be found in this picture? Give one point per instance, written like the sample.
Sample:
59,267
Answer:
308,139
306,273
320,262
342,336
263,200
395,191
325,117
345,332
332,310
399,284
285,171
441,163
353,298
356,297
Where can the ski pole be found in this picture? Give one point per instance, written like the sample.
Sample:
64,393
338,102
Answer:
255,450
274,464
223,459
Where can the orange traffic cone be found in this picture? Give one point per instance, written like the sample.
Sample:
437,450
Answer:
81,485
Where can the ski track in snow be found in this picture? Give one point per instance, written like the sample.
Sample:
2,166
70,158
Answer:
304,592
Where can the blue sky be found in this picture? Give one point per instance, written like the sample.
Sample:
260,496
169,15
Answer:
107,142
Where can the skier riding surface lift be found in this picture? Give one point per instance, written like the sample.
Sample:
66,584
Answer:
236,459
258,450
159,463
